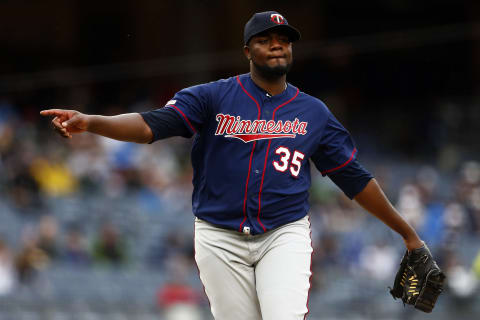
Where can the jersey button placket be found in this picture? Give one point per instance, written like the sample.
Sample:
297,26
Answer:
266,114
267,105
257,166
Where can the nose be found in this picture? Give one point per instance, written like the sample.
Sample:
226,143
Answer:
275,43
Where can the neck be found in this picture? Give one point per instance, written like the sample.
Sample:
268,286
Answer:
273,86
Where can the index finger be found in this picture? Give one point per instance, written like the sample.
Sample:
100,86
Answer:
53,112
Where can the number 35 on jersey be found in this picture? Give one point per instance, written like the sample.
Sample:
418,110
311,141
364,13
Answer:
287,161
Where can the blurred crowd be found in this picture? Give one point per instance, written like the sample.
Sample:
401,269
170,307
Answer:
40,170
448,220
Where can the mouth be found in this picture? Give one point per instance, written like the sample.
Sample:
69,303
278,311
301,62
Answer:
277,57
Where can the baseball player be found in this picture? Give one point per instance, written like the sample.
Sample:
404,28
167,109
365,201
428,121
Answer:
254,135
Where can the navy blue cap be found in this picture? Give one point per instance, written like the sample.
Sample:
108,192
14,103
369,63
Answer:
263,21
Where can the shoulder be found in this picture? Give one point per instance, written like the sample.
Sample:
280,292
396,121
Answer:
313,101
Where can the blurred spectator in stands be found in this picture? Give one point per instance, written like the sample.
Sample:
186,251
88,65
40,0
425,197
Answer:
474,210
454,220
30,259
175,243
52,174
22,189
427,179
468,193
88,163
75,251
7,275
325,258
47,236
340,214
469,179
379,261
7,117
176,298
476,265
109,247
432,230
120,158
326,251
16,154
462,283
410,205
180,244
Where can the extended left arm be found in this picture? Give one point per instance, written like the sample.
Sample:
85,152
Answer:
419,281
372,199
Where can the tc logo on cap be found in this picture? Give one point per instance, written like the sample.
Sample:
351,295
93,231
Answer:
277,18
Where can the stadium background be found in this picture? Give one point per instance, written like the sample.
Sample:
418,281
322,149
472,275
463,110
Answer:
95,229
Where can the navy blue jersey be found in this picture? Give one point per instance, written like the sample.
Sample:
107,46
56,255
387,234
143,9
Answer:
250,151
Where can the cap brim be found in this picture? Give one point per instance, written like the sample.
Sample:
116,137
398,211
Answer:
292,33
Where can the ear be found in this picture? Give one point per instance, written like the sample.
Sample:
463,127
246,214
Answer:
246,51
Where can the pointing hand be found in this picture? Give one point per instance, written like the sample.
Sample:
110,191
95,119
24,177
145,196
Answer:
66,122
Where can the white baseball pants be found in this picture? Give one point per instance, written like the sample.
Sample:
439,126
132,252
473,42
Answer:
261,277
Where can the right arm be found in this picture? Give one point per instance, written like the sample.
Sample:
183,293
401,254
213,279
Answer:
129,127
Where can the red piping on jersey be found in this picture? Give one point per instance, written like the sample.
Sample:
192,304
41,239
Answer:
265,163
251,157
342,165
186,119
283,104
246,189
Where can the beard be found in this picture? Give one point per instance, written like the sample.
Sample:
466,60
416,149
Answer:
272,73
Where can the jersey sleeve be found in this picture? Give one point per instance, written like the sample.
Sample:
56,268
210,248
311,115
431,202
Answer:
352,179
165,123
336,158
192,105
336,147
